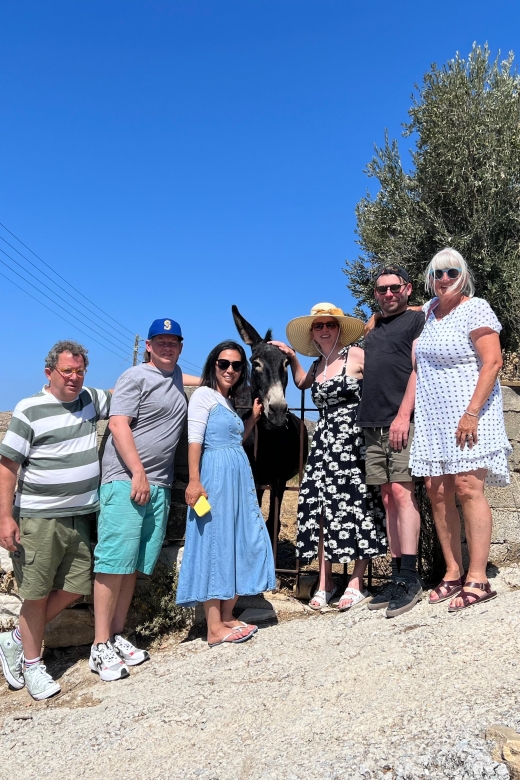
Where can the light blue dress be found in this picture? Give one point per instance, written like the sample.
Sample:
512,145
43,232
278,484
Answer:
227,552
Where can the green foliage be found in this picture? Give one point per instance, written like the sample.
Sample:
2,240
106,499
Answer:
462,190
156,609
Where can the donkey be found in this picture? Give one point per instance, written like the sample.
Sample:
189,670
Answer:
275,456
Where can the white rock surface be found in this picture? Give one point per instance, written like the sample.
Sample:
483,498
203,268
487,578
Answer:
5,560
350,696
9,607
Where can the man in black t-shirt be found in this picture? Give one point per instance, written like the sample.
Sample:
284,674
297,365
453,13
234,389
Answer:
386,415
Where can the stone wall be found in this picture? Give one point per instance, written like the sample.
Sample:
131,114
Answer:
505,502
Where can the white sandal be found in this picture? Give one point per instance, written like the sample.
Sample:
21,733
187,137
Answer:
322,597
355,596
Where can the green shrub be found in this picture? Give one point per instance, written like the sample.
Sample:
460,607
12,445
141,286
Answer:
155,608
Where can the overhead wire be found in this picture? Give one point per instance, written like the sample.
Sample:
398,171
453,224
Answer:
127,358
82,318
73,297
63,279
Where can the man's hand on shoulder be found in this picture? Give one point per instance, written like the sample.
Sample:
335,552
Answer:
9,533
399,431
140,489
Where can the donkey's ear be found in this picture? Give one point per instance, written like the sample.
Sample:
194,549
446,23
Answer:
269,335
246,331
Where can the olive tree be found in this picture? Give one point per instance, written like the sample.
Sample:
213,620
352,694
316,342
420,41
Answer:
462,188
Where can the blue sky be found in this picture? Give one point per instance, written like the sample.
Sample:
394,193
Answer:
170,158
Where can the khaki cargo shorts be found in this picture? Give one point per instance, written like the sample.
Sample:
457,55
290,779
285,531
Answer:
54,554
384,464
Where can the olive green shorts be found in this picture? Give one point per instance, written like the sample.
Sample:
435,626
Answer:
384,464
54,554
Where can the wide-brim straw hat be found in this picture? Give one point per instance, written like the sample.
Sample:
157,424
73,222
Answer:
299,330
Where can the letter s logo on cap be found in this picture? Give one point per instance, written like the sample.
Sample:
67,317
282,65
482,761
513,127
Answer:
167,325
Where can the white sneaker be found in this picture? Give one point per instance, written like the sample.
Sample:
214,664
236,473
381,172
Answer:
39,683
131,655
106,662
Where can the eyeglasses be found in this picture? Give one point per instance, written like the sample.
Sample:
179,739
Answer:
332,325
236,365
394,288
68,373
452,273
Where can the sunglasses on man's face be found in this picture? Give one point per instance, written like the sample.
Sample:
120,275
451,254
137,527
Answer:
68,373
329,325
394,288
236,365
452,273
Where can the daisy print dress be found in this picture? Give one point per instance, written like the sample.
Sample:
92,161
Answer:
448,366
333,489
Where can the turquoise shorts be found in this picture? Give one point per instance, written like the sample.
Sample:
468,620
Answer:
130,536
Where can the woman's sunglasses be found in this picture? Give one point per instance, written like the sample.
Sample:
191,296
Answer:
329,325
452,273
236,365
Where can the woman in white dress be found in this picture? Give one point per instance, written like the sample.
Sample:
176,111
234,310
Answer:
460,442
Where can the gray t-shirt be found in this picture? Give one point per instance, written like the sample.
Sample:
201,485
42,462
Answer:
156,402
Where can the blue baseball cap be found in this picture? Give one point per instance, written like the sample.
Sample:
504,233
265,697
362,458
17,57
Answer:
165,327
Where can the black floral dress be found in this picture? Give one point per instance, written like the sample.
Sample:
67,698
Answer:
333,485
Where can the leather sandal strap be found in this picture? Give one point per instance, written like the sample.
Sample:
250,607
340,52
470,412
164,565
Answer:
485,586
450,583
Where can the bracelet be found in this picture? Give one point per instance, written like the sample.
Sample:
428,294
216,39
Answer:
472,415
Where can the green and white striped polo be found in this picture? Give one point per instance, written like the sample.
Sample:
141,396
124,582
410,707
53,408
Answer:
56,445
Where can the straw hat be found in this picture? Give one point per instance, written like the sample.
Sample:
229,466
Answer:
299,330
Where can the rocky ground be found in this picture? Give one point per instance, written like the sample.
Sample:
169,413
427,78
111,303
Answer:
350,695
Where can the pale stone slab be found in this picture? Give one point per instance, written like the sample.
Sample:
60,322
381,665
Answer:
257,615
5,560
9,607
71,627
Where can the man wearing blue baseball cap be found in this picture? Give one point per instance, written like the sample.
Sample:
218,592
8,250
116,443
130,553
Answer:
146,420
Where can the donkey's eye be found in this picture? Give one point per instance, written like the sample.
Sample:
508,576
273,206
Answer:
256,365
285,363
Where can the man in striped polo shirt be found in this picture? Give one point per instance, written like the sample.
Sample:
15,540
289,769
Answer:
52,436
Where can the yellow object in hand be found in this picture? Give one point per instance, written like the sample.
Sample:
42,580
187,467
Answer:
202,506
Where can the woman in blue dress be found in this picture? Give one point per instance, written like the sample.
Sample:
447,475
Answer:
227,552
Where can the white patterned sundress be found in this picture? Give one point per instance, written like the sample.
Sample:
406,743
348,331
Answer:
447,372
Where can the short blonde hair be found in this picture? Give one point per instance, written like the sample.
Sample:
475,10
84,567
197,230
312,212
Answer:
450,258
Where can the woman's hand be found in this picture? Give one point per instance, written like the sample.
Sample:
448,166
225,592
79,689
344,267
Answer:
193,492
466,433
257,410
289,351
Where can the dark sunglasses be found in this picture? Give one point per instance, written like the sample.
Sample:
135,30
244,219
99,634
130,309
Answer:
236,365
394,288
329,325
452,273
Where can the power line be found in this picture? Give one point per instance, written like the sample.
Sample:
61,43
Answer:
63,279
73,297
82,318
61,316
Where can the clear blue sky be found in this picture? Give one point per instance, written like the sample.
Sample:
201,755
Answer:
173,157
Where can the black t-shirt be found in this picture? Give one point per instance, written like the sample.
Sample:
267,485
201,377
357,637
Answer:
388,365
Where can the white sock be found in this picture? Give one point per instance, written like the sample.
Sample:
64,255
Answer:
32,661
17,637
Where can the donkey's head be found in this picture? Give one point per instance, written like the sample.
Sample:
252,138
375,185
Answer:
269,370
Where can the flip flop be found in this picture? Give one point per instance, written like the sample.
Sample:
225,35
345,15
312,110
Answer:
356,597
451,588
228,641
242,625
487,595
322,597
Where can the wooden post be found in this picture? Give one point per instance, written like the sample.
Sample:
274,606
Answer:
136,349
